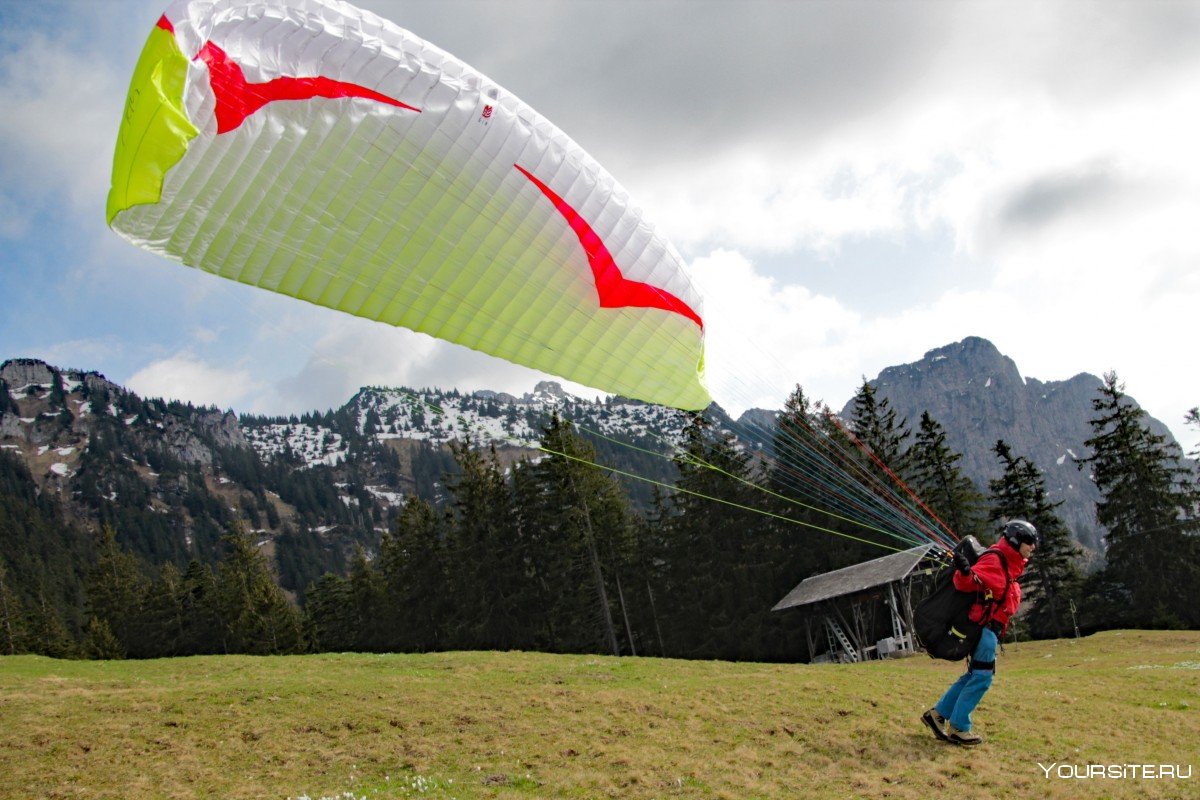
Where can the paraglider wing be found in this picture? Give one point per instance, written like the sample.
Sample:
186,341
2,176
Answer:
313,149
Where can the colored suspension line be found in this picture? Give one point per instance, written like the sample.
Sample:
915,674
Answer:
920,531
692,458
723,501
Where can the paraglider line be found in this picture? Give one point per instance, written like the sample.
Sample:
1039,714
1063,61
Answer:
892,474
718,499
705,464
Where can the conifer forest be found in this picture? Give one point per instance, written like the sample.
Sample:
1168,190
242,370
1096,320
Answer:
551,551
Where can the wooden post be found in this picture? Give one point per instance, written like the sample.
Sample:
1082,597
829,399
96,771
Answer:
624,612
662,650
906,597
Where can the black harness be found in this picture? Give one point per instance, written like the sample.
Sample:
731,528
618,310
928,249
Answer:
989,604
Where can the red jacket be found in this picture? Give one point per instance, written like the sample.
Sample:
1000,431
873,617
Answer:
987,578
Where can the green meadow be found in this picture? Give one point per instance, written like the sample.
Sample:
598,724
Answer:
514,725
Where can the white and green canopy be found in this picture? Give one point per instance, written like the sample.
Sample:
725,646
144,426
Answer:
314,149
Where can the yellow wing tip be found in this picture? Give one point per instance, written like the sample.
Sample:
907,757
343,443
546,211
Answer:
155,129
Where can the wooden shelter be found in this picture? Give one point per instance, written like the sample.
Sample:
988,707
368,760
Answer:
845,605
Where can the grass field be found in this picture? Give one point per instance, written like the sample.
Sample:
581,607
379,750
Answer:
508,725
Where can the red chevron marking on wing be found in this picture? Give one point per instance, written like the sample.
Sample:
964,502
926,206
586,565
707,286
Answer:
238,99
613,288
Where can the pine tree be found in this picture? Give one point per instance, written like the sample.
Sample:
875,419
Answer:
577,523
7,404
722,556
798,424
58,398
484,555
114,588
1149,507
329,615
366,597
814,459
203,632
418,596
47,633
99,642
938,481
256,615
1052,579
1193,419
43,553
12,618
646,572
873,422
161,621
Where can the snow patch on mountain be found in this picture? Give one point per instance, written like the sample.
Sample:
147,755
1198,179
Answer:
312,445
487,418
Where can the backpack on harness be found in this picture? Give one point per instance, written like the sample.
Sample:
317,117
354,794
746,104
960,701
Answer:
942,619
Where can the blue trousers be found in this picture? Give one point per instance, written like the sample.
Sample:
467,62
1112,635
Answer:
965,693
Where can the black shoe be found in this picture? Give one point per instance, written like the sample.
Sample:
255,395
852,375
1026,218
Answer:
964,738
936,723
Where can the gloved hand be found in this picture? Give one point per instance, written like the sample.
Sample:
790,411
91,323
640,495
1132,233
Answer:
962,564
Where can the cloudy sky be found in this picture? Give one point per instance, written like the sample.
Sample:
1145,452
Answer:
851,183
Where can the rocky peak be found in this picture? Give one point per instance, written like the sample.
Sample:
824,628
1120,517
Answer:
191,439
979,396
499,397
955,368
759,418
547,392
95,382
18,372
183,443
222,426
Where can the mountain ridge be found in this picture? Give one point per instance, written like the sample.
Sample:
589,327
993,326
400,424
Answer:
979,396
170,476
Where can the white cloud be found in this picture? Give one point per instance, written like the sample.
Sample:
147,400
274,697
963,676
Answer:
962,162
762,337
84,354
353,353
61,112
1073,206
752,201
185,377
765,336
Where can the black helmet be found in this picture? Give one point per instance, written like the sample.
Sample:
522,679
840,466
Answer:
1018,532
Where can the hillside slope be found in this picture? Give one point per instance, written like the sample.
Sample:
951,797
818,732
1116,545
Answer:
171,478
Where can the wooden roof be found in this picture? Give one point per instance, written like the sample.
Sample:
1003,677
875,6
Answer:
855,578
